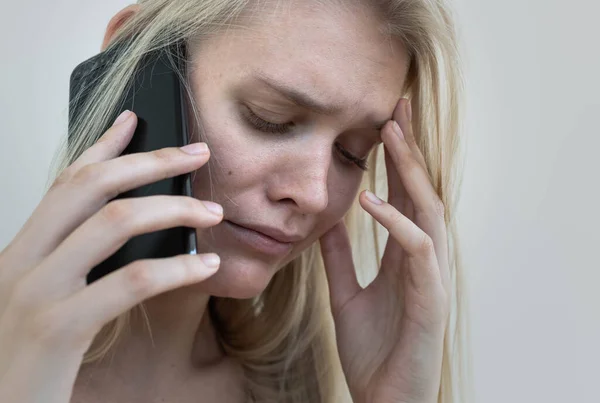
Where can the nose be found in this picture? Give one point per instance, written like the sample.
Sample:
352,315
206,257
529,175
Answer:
301,180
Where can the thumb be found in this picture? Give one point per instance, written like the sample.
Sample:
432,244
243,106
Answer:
339,267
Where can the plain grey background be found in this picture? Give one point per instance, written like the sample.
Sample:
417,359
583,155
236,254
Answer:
529,211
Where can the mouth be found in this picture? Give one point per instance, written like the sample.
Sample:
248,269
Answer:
261,242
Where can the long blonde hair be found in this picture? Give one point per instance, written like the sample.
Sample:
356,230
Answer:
284,338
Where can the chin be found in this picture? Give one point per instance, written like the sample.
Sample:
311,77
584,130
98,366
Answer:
239,277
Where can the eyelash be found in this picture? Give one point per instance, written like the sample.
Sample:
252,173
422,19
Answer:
269,127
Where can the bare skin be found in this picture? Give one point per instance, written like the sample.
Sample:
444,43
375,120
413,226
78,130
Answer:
216,73
301,182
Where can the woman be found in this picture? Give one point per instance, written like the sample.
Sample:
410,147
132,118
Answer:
293,99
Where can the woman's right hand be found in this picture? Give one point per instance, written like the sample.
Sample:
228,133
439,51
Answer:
48,315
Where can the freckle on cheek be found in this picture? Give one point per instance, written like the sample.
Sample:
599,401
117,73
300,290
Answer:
229,173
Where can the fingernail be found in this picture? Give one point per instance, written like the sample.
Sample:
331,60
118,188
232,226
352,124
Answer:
211,260
122,117
213,207
409,111
195,148
397,129
373,199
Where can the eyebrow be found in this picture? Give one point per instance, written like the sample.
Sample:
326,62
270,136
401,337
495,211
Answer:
302,99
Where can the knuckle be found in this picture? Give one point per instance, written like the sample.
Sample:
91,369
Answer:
184,269
396,218
117,211
191,205
199,213
433,210
87,174
62,178
111,144
165,159
165,156
139,279
426,246
189,267
181,209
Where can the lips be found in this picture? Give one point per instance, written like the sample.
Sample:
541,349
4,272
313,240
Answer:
275,243
274,233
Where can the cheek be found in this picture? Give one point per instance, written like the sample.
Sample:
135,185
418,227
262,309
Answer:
342,191
220,129
234,161
343,187
342,198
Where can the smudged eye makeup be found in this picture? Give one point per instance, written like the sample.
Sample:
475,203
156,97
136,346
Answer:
281,128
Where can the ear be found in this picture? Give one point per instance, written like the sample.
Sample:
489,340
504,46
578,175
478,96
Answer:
117,21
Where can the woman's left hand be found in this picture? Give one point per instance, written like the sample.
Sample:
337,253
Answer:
390,334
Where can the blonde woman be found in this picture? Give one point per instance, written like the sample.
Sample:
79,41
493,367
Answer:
292,102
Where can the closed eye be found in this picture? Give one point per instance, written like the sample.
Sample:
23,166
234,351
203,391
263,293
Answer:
268,127
282,128
360,162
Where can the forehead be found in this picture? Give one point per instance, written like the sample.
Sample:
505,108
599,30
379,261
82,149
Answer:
337,53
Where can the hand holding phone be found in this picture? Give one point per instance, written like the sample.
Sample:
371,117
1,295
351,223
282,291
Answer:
156,95
48,315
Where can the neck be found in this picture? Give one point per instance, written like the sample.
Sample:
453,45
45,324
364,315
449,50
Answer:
179,362
182,335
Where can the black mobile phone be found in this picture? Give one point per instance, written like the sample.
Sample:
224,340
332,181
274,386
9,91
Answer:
157,96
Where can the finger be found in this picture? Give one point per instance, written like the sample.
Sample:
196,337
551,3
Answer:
110,228
69,204
110,145
397,194
121,290
429,211
105,180
417,245
413,177
399,198
401,115
339,267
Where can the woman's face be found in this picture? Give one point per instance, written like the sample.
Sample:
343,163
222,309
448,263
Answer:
323,79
